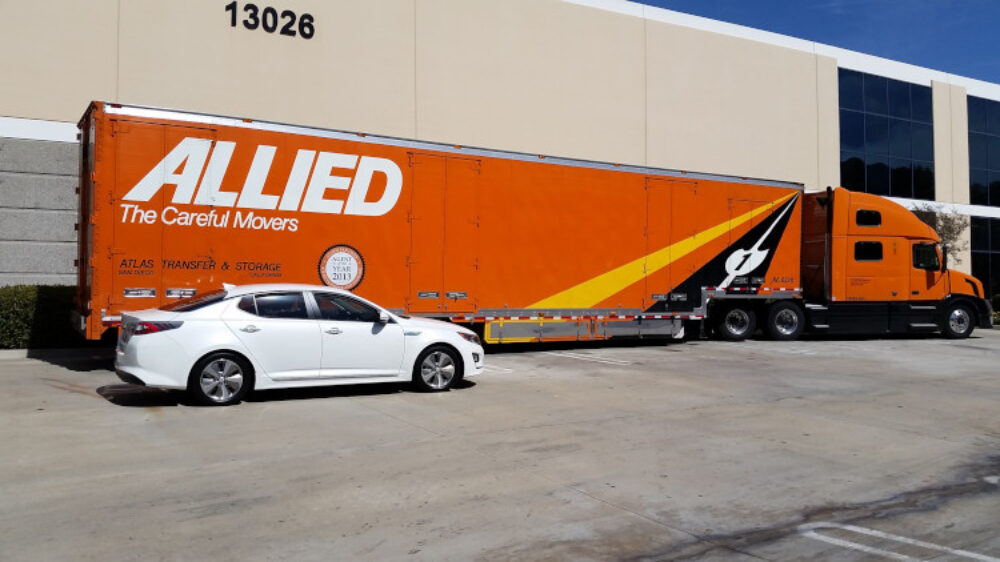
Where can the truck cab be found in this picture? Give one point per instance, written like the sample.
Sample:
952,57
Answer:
869,265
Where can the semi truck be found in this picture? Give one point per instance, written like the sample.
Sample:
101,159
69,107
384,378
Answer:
523,247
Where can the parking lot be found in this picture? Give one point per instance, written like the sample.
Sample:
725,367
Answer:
820,449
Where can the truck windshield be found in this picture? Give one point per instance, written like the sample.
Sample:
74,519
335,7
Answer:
195,302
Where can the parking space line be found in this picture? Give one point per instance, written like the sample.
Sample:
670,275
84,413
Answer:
809,530
605,360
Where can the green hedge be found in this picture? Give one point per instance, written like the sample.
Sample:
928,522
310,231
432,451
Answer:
37,316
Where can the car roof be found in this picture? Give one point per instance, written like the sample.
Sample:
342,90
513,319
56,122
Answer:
239,290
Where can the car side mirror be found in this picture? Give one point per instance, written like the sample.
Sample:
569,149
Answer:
383,317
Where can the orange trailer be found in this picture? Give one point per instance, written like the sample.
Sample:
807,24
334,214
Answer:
527,247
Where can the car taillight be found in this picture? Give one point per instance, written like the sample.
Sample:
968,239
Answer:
142,328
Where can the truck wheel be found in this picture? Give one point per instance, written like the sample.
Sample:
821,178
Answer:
737,323
785,321
220,379
436,369
958,322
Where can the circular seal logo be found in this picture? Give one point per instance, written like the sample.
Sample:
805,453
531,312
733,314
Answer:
342,267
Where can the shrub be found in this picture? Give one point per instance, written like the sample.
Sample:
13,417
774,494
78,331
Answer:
37,316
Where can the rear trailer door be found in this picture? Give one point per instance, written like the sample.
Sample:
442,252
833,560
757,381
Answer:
155,249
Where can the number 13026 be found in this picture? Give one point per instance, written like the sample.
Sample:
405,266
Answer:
267,18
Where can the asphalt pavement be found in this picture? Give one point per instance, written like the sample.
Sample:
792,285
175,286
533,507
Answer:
863,449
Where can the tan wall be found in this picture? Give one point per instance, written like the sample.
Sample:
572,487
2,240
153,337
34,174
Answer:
728,105
951,156
56,56
540,76
535,76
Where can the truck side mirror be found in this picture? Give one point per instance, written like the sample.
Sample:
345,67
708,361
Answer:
944,257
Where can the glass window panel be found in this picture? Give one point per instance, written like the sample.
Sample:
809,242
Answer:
994,190
979,181
851,96
977,114
899,138
994,153
901,178
875,94
899,99
246,304
852,130
868,251
981,268
993,118
979,150
877,180
923,181
980,234
876,134
920,100
283,305
339,307
995,236
923,141
993,287
852,171
867,217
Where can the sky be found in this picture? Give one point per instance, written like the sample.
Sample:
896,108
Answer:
956,36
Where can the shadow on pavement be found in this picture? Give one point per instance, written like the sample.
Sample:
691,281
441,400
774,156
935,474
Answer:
135,396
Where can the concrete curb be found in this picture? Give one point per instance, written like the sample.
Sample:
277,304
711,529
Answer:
81,352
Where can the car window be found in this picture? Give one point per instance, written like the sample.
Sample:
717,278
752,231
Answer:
247,304
339,307
280,305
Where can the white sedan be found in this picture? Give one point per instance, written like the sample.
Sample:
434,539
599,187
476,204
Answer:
221,345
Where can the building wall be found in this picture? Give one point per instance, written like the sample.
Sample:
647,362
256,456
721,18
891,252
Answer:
38,211
594,79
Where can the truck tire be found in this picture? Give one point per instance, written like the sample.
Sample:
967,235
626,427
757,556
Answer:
736,323
785,321
958,322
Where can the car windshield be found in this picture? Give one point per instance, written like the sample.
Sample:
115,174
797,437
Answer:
195,302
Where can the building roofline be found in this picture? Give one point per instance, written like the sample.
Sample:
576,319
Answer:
845,58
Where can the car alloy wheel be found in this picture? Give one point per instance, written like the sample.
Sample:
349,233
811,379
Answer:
437,369
220,379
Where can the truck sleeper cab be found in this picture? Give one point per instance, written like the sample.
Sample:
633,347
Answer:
870,266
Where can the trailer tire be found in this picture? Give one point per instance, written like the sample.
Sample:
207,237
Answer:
958,322
736,323
785,321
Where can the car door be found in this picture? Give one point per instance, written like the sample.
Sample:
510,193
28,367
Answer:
354,343
278,332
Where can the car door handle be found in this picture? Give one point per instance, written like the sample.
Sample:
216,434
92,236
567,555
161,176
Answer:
334,330
250,329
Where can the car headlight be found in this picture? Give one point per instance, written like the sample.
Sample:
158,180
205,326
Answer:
470,337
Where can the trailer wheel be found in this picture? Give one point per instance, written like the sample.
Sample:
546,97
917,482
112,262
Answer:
785,321
958,322
736,323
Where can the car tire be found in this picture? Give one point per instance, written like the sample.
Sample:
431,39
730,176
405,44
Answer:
785,321
958,322
736,323
220,379
437,368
